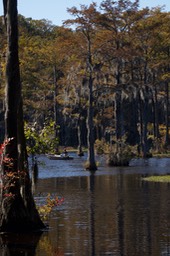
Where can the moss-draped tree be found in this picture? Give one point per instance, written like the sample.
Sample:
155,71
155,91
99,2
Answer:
18,211
84,21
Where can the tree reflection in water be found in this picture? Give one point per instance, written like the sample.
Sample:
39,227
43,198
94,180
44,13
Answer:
12,244
109,212
91,182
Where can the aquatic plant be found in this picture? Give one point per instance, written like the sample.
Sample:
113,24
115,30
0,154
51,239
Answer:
51,202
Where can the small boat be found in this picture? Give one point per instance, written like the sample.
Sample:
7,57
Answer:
59,157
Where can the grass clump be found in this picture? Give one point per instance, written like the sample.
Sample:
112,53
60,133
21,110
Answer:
159,178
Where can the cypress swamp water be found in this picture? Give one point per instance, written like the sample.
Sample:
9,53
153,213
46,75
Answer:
110,212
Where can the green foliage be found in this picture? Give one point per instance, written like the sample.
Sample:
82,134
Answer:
41,141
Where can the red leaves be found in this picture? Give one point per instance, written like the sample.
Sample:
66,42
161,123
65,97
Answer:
59,201
2,149
9,195
51,202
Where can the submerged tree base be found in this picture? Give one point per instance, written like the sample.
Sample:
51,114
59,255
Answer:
80,153
15,217
117,159
90,167
21,227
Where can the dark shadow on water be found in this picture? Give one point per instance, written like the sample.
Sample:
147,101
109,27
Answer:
13,244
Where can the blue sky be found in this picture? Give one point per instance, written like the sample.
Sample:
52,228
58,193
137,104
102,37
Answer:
56,10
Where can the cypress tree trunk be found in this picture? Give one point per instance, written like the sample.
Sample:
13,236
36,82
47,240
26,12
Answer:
167,118
145,112
156,119
140,126
145,130
55,111
80,151
91,164
167,122
118,120
18,211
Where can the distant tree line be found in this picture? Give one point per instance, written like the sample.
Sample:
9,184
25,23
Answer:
102,76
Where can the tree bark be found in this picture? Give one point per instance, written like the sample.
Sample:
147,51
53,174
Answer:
155,115
167,119
91,164
18,211
80,151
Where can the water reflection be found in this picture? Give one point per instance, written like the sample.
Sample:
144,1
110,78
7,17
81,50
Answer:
91,182
118,215
19,244
112,212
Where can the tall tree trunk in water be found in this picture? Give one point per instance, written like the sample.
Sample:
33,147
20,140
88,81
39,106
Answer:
167,119
55,111
79,123
156,119
145,107
145,147
143,121
18,211
91,164
145,124
118,106
80,151
118,120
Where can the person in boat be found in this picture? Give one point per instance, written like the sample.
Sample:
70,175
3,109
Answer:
65,153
